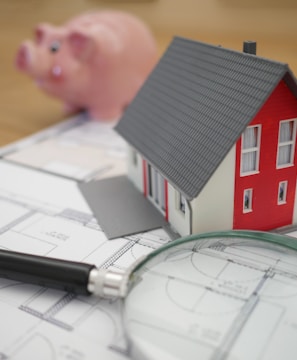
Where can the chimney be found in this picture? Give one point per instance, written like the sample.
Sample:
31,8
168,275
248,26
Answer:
249,47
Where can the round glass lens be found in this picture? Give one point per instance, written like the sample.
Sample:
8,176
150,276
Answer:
229,295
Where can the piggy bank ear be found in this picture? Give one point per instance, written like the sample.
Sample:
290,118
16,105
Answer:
81,45
42,30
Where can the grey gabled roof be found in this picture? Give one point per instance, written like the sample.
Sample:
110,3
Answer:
194,106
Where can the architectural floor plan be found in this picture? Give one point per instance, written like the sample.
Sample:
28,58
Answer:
230,301
43,212
78,148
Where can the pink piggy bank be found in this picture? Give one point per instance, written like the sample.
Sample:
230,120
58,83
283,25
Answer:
97,61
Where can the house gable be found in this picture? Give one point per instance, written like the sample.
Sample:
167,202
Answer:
193,108
265,211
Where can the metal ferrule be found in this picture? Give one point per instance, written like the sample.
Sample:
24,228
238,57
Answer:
107,283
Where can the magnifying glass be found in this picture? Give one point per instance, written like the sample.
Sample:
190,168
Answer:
220,295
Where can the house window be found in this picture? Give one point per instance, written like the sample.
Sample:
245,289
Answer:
282,192
156,187
134,158
250,149
180,202
286,143
247,200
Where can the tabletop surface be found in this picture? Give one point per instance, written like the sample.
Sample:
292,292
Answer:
25,109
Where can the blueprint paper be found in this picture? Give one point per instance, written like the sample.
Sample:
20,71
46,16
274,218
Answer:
47,215
229,302
43,212
80,149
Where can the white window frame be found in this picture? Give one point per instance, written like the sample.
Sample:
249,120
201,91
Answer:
291,142
285,191
249,193
156,188
180,202
254,149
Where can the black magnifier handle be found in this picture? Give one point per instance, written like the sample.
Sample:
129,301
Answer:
70,276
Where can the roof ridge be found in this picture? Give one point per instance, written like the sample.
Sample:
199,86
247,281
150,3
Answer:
228,50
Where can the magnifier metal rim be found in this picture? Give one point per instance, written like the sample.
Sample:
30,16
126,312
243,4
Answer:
284,241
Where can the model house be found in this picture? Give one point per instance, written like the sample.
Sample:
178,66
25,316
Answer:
212,138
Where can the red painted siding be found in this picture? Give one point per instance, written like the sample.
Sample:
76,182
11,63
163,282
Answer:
266,213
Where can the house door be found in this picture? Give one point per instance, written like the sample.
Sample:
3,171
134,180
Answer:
156,188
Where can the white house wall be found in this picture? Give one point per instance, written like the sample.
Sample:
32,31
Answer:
213,208
135,170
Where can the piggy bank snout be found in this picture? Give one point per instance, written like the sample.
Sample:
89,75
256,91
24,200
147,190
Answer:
23,58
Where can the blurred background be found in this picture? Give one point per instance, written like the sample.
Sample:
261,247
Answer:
25,109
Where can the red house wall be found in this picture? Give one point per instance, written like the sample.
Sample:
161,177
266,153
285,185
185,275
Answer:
266,213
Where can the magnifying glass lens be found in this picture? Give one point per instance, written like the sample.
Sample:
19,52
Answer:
229,296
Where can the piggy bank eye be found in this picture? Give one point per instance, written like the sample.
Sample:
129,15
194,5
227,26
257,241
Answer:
55,46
